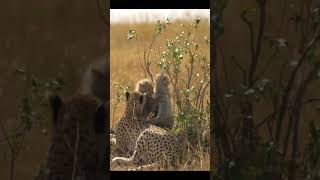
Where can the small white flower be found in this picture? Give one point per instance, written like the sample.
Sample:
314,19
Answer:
232,164
249,91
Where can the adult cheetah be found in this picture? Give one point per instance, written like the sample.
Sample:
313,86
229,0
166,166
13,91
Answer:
131,124
78,145
150,144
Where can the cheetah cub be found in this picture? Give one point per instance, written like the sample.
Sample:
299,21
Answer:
151,106
162,96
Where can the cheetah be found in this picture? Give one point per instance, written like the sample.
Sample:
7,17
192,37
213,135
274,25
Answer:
77,149
155,147
146,143
113,145
131,124
95,79
164,118
145,86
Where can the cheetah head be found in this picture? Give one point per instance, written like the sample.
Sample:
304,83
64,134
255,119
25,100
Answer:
135,102
144,86
80,121
162,79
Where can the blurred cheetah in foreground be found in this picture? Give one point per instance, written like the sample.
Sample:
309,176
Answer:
147,144
78,143
94,80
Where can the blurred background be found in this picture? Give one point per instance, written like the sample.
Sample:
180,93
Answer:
288,28
43,45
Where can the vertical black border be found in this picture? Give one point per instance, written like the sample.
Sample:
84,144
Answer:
212,83
108,85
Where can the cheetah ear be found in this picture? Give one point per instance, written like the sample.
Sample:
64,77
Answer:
127,95
55,104
100,120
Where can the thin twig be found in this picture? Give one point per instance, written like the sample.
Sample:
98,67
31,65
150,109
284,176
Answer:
285,98
12,150
5,135
138,49
262,21
146,58
76,152
297,105
251,33
242,69
265,120
267,66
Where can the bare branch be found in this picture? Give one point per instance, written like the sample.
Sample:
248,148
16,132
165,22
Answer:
285,98
242,69
270,116
251,33
255,59
7,139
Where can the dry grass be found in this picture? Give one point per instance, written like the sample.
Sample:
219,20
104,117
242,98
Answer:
125,70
